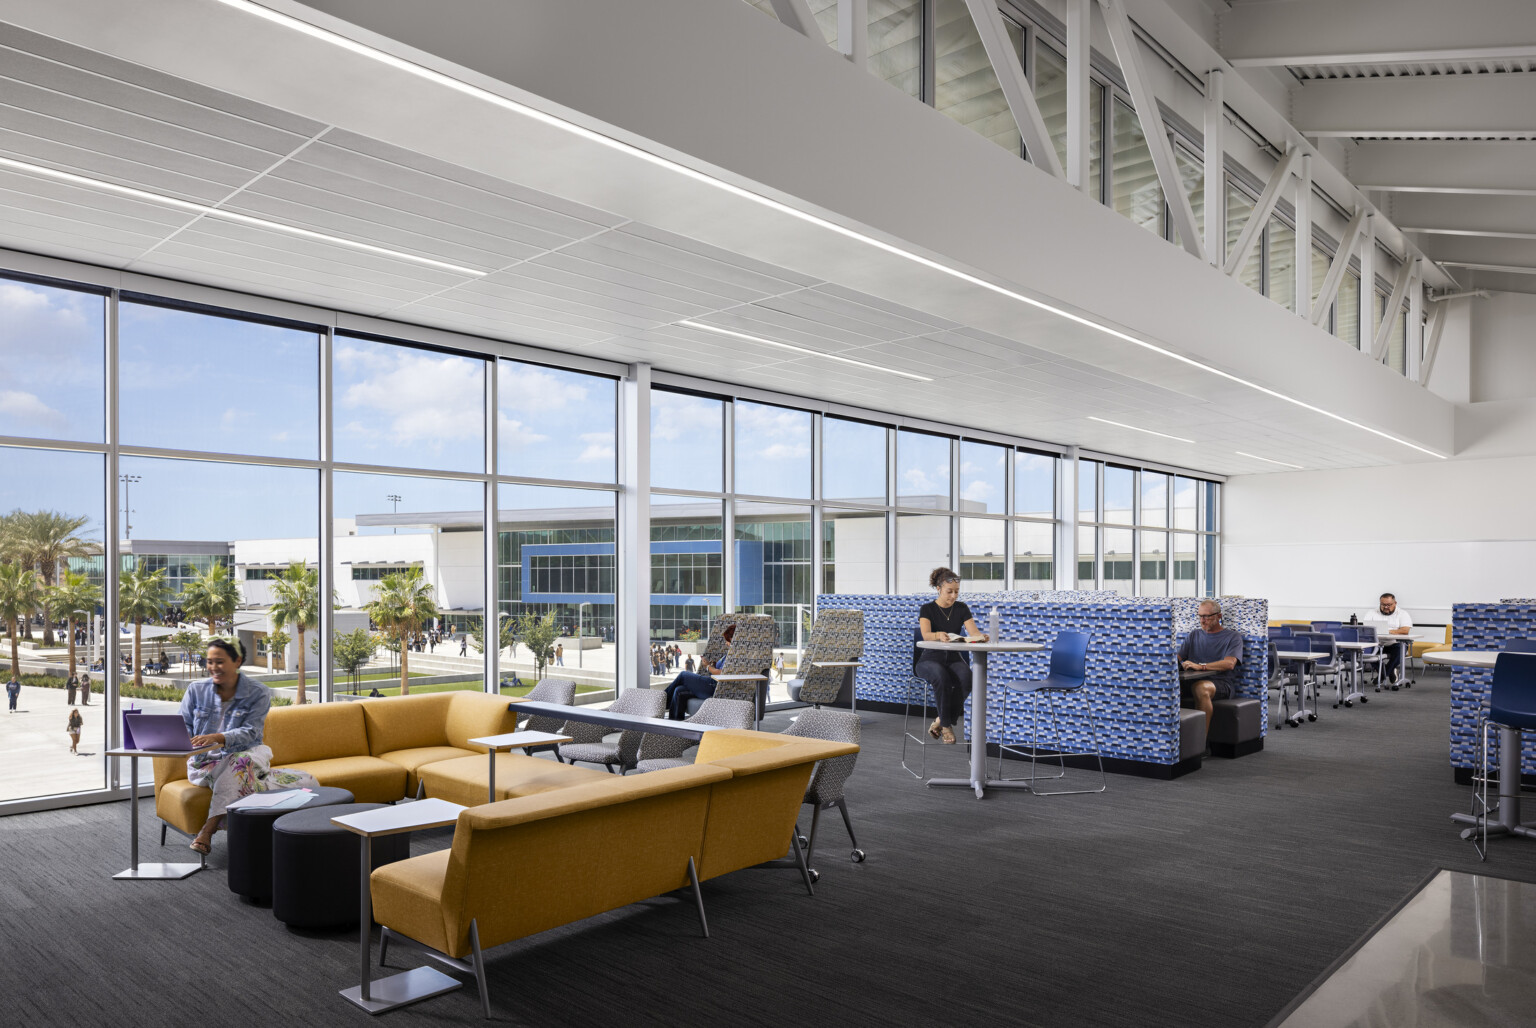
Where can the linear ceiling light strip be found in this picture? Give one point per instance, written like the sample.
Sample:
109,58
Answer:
466,88
801,349
1133,428
219,213
1269,460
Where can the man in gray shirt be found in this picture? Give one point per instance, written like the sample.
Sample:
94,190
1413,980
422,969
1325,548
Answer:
1209,657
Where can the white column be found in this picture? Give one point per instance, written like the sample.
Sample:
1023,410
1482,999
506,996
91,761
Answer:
490,624
1413,342
1079,93
1368,285
633,559
1066,506
1304,239
1215,170
853,31
325,535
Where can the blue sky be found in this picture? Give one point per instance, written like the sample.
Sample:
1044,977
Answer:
191,381
687,441
70,483
206,500
853,460
773,450
52,357
922,465
555,424
406,407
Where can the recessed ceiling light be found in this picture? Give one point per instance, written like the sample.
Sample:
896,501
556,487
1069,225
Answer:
1270,460
1133,428
802,349
448,81
223,215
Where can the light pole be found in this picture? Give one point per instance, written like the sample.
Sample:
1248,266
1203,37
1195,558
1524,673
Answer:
580,648
128,481
395,499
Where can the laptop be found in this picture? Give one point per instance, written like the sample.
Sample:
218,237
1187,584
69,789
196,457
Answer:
166,732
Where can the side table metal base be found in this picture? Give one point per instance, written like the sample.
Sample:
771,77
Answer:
980,786
398,990
162,872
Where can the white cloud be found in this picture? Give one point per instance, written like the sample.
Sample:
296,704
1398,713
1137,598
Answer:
29,410
599,446
418,397
514,434
522,387
919,481
785,451
980,491
676,416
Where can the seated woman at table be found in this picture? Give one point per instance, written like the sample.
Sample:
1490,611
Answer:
696,684
946,670
228,711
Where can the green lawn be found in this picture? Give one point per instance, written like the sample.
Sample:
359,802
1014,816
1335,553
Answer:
416,690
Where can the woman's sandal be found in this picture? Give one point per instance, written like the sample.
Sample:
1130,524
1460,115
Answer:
199,846
946,736
933,729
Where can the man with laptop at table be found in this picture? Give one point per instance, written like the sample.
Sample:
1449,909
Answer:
1391,620
1208,661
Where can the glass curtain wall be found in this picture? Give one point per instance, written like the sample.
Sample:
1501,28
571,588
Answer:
1128,540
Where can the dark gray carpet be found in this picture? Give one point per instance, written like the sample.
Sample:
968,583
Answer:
1211,900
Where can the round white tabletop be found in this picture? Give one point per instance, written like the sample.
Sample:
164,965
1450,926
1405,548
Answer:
1463,658
1000,646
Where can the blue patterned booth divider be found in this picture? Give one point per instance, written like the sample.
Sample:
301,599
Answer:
1133,688
1484,626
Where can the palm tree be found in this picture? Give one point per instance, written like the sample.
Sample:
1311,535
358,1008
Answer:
75,597
277,642
141,594
20,593
401,606
211,595
46,538
296,602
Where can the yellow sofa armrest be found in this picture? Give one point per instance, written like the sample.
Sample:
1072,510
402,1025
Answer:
588,796
749,752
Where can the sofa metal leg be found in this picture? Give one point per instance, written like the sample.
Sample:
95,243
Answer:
162,833
474,944
383,944
698,896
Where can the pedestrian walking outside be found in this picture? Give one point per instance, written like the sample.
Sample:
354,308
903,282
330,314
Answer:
72,687
12,693
76,722
560,654
85,690
464,645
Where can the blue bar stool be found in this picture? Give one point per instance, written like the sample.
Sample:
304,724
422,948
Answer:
1512,707
1069,673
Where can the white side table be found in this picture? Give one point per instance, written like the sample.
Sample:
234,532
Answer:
151,871
420,982
514,741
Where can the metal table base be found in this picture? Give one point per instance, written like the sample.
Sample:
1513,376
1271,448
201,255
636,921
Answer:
1508,810
157,871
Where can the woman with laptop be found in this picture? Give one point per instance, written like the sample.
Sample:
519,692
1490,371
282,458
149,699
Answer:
227,710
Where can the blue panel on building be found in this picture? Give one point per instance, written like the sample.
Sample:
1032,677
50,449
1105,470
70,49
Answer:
749,573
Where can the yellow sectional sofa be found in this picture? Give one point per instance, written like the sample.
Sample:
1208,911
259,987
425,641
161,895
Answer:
375,748
536,861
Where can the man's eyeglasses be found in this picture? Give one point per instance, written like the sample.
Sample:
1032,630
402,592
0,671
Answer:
1204,616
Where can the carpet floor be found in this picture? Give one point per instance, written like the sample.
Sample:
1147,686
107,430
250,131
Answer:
1210,900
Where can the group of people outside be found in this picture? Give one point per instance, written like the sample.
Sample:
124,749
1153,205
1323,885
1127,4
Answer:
666,657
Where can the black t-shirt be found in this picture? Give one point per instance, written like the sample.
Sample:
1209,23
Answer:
942,620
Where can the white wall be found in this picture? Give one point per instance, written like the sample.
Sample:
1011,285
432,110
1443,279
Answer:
1503,363
1327,543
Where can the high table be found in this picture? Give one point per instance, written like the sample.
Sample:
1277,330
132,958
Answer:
514,741
420,982
1358,646
1305,658
140,871
1509,755
979,780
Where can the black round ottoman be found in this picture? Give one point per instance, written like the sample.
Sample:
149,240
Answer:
249,838
315,866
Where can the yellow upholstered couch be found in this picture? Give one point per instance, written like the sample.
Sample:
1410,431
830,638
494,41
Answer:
1423,646
375,748
534,862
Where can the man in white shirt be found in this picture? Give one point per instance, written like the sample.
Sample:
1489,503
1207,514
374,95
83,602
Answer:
1398,623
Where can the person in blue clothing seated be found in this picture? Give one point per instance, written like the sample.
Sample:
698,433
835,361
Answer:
228,711
1209,658
700,683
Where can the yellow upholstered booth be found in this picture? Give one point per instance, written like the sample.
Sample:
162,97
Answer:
1424,646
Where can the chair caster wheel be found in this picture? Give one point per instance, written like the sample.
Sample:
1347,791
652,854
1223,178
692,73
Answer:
1394,688
1336,706
1311,717
804,841
815,876
857,856
1365,700
1349,703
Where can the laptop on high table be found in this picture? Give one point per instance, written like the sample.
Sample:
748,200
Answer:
165,732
